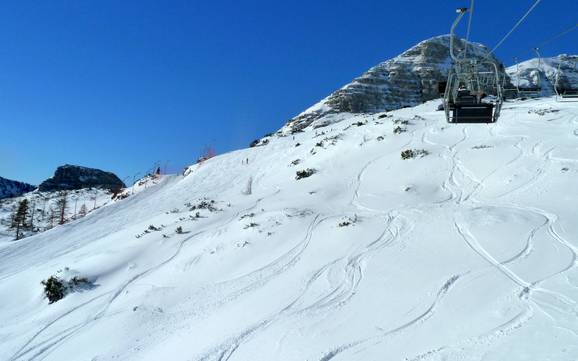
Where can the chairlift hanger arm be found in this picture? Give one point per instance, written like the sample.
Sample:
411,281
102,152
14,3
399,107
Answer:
461,12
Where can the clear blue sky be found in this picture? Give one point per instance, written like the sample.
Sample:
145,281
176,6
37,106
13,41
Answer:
120,85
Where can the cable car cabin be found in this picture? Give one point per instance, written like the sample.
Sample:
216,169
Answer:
467,109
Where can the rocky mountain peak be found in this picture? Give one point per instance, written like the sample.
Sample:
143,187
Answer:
542,72
409,79
11,188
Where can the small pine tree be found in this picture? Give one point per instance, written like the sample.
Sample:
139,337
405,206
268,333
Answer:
62,204
54,289
19,219
82,212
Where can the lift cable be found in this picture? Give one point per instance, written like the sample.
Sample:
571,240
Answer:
515,26
573,27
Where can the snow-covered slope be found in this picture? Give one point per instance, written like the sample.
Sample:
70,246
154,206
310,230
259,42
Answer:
45,208
10,188
534,72
465,252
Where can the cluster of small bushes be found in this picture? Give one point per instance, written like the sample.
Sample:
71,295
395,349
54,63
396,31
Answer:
348,221
203,204
356,124
305,173
542,112
258,143
413,153
55,288
250,225
248,215
483,146
151,228
398,130
154,228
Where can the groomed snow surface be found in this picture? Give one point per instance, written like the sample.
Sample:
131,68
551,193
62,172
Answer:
466,253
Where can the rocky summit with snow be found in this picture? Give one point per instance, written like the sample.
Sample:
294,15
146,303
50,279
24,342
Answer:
542,73
406,80
69,177
11,188
366,235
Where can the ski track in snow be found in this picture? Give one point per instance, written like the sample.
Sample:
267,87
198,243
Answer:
24,350
457,195
327,287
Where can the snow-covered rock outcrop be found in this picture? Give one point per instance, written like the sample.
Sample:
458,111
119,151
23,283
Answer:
406,80
542,72
69,177
11,188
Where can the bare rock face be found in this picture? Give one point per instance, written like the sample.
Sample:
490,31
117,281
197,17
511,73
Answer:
69,177
404,81
11,188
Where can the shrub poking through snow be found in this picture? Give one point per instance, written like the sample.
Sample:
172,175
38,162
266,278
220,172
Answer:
413,153
251,225
204,204
348,221
398,130
248,215
179,230
153,228
305,173
542,112
483,146
56,288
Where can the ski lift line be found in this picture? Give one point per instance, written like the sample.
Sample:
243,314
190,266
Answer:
469,27
555,37
515,26
564,94
469,82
